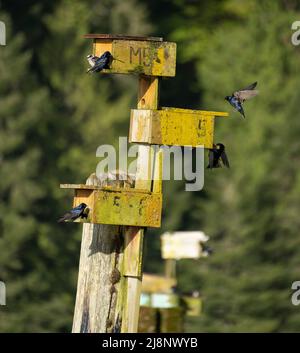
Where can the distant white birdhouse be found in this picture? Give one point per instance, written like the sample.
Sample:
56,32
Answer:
183,245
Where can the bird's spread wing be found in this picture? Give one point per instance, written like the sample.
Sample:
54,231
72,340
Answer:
72,215
66,216
225,159
246,93
250,87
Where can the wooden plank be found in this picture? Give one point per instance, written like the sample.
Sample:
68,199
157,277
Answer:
191,111
132,260
134,239
122,37
174,127
153,58
148,92
140,126
158,172
103,188
80,186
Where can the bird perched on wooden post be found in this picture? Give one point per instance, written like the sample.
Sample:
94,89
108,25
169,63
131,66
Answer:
238,97
74,213
99,63
216,155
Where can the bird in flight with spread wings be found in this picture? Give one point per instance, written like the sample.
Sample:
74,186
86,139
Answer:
238,97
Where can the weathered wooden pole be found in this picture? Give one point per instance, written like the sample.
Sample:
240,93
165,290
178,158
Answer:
99,277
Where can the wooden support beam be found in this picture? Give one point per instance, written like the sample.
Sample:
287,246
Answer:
134,237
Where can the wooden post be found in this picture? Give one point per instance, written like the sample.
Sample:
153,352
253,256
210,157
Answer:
98,306
170,268
134,237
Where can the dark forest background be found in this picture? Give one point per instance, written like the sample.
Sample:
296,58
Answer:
53,117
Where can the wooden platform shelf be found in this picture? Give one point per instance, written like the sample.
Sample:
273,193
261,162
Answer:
173,126
107,205
136,55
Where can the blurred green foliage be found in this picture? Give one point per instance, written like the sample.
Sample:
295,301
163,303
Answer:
53,117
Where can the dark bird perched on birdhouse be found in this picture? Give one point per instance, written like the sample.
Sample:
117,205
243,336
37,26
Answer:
206,250
75,213
99,63
238,97
216,155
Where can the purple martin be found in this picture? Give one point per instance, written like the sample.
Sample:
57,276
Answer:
238,97
99,63
74,213
216,155
206,250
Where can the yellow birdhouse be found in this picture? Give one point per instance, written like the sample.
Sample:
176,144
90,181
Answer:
173,126
136,55
108,205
